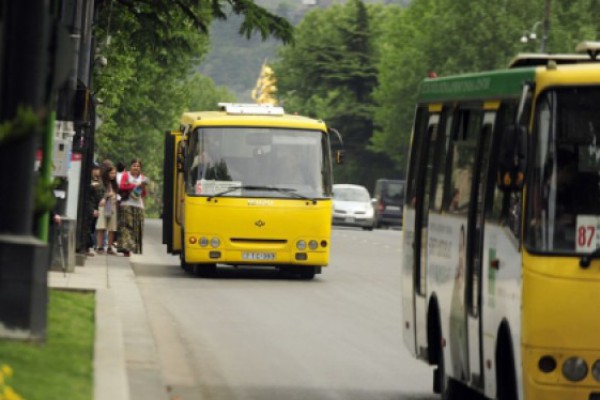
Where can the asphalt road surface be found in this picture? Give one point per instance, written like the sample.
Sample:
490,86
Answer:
253,334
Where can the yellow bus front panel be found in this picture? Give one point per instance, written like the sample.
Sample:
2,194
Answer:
269,231
560,323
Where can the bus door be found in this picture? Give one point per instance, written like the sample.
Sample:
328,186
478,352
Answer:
474,259
423,176
167,203
461,208
172,191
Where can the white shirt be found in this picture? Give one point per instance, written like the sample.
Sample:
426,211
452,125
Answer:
135,202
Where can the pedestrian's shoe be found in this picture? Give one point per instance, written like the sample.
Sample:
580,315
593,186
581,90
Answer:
90,253
100,251
127,253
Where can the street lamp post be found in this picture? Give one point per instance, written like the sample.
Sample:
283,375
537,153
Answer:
546,26
531,35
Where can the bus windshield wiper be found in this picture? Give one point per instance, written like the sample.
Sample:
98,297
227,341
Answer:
224,192
289,191
585,260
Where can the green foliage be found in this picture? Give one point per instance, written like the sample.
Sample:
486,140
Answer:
330,73
44,195
147,84
235,61
25,122
456,36
159,17
203,94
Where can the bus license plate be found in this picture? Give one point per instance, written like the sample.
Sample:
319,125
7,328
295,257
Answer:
258,256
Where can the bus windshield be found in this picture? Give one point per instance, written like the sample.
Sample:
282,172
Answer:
563,208
239,161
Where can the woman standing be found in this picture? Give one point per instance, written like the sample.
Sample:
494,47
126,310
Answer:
107,209
132,190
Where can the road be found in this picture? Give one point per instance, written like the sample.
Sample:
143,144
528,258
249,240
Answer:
250,334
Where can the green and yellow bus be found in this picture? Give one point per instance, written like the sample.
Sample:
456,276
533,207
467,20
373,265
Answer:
501,263
249,185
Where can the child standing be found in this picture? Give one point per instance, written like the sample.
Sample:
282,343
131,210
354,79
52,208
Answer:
107,209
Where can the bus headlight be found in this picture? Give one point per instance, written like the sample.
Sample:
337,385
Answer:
203,242
215,242
596,370
575,369
313,244
301,244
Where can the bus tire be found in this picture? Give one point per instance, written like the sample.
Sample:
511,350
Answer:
184,266
506,380
205,270
306,273
447,387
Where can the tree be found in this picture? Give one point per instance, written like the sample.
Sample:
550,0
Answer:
158,16
458,36
152,49
330,73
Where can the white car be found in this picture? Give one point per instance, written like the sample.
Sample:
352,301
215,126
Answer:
352,206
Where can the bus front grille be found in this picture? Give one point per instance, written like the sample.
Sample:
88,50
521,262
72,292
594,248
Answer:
256,240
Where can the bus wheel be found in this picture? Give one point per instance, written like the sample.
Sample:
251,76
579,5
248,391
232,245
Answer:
205,270
506,381
446,386
307,273
184,266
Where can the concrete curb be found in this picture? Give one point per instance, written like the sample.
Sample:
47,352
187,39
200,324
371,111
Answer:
126,363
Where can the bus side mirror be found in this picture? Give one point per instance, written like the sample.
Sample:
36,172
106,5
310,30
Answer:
513,154
339,157
339,142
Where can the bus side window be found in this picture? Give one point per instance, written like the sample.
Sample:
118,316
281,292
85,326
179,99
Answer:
414,169
506,208
441,152
464,144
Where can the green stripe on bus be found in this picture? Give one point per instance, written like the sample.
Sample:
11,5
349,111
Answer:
483,85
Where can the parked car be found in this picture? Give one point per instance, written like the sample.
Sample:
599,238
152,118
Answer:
352,206
388,202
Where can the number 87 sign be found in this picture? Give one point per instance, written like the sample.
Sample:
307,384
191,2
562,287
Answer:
588,233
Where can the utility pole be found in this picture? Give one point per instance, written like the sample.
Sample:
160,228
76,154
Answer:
84,120
546,31
24,73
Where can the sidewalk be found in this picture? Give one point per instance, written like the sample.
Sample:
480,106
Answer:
126,363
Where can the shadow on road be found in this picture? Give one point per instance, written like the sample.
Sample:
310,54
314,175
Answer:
224,272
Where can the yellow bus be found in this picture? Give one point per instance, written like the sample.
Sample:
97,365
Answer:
249,185
501,262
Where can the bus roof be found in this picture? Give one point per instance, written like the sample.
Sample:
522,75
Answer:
537,59
222,118
482,85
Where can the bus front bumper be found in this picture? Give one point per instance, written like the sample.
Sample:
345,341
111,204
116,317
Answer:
553,385
257,257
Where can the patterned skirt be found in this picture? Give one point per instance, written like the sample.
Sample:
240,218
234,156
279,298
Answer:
131,228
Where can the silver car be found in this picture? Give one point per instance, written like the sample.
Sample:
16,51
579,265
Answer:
352,206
